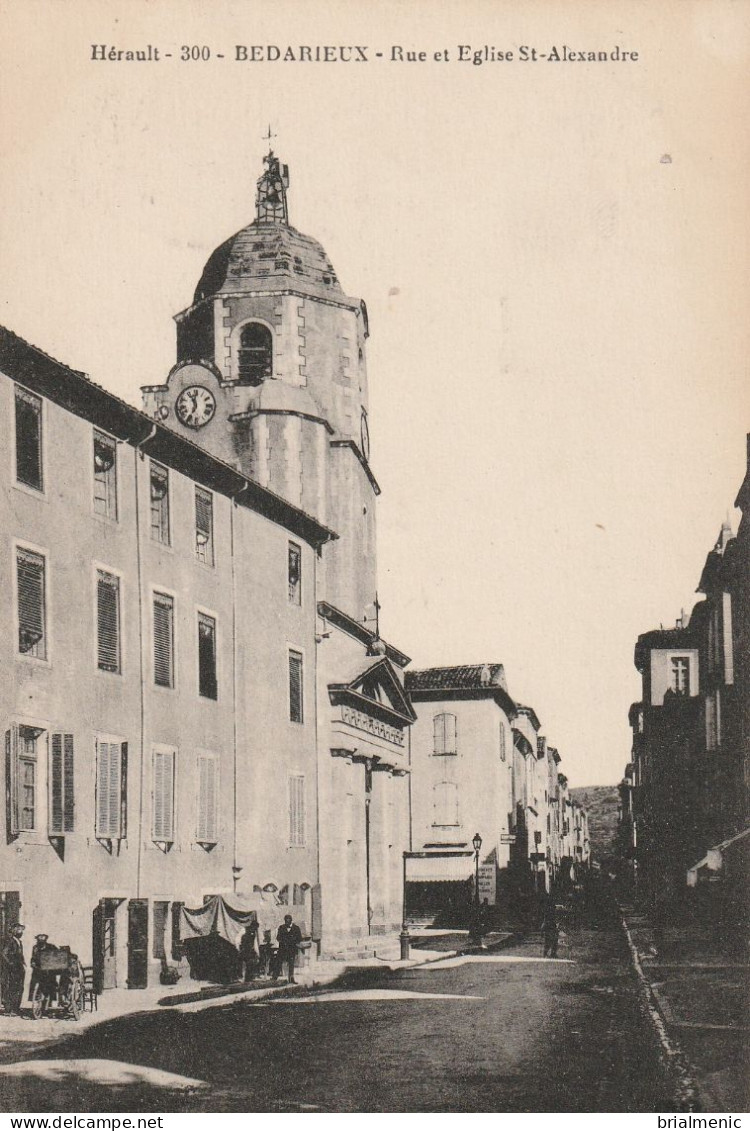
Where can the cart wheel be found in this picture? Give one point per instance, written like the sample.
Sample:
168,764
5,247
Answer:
76,999
37,1003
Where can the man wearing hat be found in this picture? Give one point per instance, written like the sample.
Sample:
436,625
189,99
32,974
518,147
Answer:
37,976
13,970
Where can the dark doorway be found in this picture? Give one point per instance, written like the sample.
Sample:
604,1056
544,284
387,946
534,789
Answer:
10,913
137,944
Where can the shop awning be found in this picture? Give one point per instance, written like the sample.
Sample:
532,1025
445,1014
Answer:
437,867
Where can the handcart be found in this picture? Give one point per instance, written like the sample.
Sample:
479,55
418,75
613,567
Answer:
59,984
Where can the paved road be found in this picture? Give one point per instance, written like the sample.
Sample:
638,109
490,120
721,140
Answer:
502,1032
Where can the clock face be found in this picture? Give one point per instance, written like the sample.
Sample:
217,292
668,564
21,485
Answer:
195,406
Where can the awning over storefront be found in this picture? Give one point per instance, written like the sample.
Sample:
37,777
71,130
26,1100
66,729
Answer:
229,915
437,868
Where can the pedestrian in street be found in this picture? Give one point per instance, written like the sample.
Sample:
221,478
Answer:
289,937
266,952
249,952
13,970
550,929
41,944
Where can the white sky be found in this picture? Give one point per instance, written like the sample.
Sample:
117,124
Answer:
558,360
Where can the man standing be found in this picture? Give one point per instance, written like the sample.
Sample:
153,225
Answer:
289,938
14,970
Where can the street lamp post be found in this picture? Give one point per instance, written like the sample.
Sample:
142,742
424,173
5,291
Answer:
475,934
404,937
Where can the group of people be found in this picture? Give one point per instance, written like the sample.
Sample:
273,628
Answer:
13,971
258,959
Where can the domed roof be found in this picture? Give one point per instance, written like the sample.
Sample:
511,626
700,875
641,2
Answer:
268,256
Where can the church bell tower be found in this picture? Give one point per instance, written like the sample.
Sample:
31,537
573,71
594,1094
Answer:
271,378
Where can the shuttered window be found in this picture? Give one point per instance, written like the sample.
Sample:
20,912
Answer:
105,475
445,803
108,621
207,831
255,354
21,778
61,792
444,734
297,811
502,743
295,688
294,571
32,627
163,640
163,795
111,787
29,439
204,526
207,685
159,489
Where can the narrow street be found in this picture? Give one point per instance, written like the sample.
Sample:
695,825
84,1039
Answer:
505,1031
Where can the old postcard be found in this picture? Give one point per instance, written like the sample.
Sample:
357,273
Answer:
375,582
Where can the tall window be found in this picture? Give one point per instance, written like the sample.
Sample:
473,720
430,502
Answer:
32,615
502,743
296,713
680,677
105,475
207,685
294,573
162,823
108,621
445,803
204,526
29,468
159,487
22,778
255,354
207,831
296,810
444,734
163,640
111,789
61,793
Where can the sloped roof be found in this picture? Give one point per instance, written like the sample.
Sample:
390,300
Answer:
78,394
480,676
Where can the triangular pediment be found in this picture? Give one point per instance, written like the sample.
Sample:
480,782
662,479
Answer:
378,684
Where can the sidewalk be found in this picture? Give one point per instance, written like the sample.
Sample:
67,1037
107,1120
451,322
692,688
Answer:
189,996
700,989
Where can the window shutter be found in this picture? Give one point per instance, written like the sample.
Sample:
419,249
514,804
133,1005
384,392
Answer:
56,786
297,811
204,525
450,734
207,799
163,622
108,621
163,822
11,779
295,687
123,811
68,785
111,771
30,602
207,685
28,439
438,734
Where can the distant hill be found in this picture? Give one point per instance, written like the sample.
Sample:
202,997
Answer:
600,802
